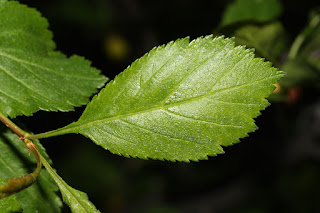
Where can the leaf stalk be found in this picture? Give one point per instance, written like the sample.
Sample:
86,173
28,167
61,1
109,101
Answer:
46,134
22,134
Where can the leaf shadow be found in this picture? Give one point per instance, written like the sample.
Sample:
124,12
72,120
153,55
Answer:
27,163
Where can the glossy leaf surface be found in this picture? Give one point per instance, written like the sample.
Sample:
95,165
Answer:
182,101
32,75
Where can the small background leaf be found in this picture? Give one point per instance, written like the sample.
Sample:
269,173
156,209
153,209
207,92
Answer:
310,51
269,40
32,75
182,101
15,162
303,64
299,73
251,10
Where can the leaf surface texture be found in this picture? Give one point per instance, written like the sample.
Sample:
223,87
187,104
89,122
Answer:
32,75
181,101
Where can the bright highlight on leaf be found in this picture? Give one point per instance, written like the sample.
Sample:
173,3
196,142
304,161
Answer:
32,75
181,101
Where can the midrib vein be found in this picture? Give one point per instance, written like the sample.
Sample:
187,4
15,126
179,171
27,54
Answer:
72,128
8,55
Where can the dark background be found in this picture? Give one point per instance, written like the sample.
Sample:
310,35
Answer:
276,169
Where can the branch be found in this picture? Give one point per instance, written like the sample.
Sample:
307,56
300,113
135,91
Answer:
22,134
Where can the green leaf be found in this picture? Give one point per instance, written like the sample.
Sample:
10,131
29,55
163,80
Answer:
182,101
310,49
251,10
15,162
269,40
9,204
303,64
299,73
32,75
78,201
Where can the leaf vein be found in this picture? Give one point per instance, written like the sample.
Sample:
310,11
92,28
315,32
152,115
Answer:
23,32
115,117
204,121
168,136
211,93
124,139
26,85
12,97
42,67
229,71
55,86
161,134
4,162
162,66
189,74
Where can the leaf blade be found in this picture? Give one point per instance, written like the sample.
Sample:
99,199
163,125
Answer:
182,101
32,75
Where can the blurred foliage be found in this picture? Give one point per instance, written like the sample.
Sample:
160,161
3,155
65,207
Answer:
276,169
251,10
299,58
269,40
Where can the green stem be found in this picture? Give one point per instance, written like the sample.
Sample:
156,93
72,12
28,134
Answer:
13,126
296,46
52,133
52,173
302,37
72,197
24,135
